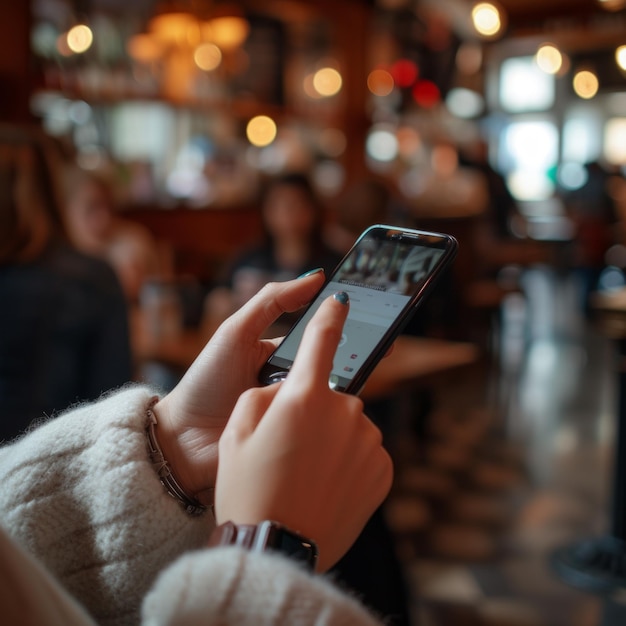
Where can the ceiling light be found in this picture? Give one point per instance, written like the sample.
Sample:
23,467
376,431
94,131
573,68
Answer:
585,84
227,28
176,28
549,59
620,57
79,38
487,19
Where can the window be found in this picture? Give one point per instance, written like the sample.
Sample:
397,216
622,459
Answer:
525,87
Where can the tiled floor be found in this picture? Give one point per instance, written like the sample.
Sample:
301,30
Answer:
518,463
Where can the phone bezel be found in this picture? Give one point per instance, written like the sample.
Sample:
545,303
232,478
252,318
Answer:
435,240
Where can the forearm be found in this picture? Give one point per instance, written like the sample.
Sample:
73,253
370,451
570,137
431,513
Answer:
80,495
231,586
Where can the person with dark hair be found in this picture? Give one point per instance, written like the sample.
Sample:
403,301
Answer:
63,321
293,219
96,228
593,211
365,202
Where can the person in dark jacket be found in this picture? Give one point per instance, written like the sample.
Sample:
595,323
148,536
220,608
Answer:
64,333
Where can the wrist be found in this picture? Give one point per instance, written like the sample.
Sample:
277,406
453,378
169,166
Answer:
266,536
169,463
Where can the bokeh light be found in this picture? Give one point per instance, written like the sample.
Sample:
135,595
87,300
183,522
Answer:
465,103
380,82
549,59
261,130
469,58
572,175
144,48
409,142
615,141
426,94
79,38
177,28
229,31
382,144
404,72
207,56
327,82
620,57
585,84
486,19
43,39
444,159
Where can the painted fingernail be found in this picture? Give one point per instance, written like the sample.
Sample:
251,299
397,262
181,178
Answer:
342,296
317,270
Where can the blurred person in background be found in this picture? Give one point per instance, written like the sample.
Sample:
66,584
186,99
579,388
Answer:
500,233
293,221
63,320
367,201
594,212
95,228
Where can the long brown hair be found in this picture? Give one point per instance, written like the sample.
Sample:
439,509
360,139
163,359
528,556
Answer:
30,214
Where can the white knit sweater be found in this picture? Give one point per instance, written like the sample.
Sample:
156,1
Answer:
80,496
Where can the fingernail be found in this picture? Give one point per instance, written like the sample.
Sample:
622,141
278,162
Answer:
342,296
311,272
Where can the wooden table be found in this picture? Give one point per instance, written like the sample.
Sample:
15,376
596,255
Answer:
413,360
417,361
599,564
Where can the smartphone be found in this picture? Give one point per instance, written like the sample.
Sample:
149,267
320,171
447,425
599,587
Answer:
387,274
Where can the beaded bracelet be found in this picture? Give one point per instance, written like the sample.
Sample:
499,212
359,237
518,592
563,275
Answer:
189,503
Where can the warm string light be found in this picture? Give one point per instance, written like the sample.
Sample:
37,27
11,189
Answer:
327,82
76,40
79,38
487,19
261,131
207,56
380,82
549,59
620,57
206,41
585,84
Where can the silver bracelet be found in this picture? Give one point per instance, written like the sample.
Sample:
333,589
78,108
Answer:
191,505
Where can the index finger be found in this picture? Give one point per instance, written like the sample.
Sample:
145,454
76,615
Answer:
314,359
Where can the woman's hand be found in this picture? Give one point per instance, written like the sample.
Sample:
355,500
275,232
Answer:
302,454
192,416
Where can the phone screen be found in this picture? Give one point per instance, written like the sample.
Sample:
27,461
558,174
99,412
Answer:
382,276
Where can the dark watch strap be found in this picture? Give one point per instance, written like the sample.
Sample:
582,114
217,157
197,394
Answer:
267,535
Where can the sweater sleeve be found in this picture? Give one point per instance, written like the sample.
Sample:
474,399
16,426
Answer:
80,495
29,596
247,589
